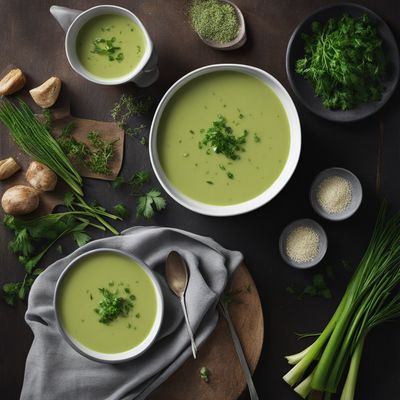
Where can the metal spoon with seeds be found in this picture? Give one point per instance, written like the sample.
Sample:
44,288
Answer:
177,275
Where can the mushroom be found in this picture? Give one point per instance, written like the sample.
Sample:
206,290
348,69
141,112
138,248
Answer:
20,200
47,93
8,167
13,81
41,177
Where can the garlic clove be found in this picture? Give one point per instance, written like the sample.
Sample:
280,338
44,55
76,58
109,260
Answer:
8,167
47,93
13,81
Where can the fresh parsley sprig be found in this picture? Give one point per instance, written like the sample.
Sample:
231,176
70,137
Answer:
344,61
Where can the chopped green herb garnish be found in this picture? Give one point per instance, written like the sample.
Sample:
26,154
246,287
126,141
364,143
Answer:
317,288
143,141
112,306
205,374
129,106
47,118
210,182
137,315
118,182
138,179
120,210
220,139
106,47
230,175
101,154
221,166
127,290
96,158
257,138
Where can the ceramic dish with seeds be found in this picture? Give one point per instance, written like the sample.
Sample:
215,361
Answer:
336,194
303,243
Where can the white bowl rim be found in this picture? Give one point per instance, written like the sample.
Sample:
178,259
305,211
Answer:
270,192
79,69
127,355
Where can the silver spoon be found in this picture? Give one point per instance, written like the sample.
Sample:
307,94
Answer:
177,275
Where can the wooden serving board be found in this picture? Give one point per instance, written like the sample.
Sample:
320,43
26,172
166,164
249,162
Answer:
49,200
227,381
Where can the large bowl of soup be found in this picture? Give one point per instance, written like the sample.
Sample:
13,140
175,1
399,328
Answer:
225,139
109,305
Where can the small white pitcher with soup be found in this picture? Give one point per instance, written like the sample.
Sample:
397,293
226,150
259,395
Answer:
108,45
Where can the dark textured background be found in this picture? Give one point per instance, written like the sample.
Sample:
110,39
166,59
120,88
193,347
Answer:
32,39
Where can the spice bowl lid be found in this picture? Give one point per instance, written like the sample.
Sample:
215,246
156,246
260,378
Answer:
322,243
356,194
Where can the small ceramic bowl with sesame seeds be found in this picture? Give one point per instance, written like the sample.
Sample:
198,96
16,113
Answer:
336,194
303,243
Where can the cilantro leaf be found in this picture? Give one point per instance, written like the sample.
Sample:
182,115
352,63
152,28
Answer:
138,179
149,203
118,182
121,210
81,238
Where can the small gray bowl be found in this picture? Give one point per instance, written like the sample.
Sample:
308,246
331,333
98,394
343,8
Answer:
323,243
239,40
355,199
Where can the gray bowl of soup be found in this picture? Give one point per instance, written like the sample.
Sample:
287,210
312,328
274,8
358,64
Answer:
225,139
109,305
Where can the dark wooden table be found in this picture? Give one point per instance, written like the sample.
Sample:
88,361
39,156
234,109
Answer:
32,39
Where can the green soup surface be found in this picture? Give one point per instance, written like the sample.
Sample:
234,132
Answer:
110,46
79,297
251,109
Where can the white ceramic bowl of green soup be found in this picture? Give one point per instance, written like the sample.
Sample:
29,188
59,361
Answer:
109,45
109,305
225,139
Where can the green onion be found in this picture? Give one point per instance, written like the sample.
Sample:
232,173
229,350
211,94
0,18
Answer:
371,298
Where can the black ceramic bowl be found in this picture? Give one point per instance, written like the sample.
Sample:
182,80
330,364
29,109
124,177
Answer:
303,88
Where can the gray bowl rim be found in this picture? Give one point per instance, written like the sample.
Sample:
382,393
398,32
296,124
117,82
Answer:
339,216
65,334
321,254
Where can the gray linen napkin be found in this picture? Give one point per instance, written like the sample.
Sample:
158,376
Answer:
55,371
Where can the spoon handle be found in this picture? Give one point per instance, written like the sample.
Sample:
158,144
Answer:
239,352
189,329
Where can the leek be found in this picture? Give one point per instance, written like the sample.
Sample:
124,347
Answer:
371,298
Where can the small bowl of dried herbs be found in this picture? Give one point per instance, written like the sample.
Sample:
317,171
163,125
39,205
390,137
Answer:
218,23
343,62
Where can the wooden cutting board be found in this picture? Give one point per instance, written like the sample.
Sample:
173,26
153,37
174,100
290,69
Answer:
227,381
49,200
